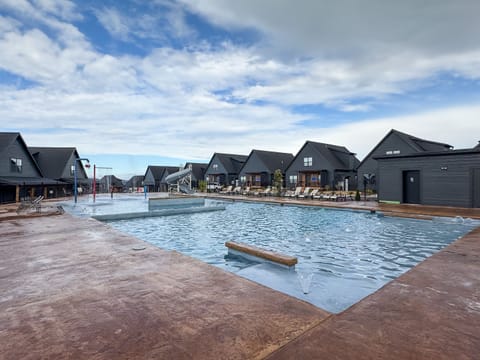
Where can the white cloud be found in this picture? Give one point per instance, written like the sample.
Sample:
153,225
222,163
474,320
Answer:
189,102
161,23
456,126
64,9
114,22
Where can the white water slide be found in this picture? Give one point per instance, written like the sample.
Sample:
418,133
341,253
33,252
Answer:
181,179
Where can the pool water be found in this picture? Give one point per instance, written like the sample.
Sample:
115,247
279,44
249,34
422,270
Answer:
346,254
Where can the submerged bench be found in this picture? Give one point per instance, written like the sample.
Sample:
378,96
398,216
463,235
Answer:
250,251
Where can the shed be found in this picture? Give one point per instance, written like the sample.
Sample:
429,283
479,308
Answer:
392,144
442,178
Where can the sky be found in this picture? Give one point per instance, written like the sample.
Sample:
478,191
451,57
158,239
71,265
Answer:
161,82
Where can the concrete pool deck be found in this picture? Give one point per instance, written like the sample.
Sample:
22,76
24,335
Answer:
76,288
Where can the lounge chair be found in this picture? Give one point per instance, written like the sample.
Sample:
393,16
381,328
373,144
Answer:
227,190
298,191
268,191
237,190
305,193
287,193
35,204
314,193
246,191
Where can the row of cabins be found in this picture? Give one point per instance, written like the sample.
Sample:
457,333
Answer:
401,168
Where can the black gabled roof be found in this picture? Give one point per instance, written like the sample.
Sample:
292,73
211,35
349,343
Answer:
112,180
231,162
198,169
273,160
7,138
335,155
53,160
137,179
418,144
158,171
422,144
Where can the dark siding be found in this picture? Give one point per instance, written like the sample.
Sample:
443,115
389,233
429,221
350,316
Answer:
253,165
369,165
16,150
220,170
450,187
225,179
319,163
476,187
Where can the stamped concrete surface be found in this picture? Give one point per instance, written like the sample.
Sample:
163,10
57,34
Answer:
430,312
75,288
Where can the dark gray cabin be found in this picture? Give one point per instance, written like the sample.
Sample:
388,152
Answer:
20,175
135,183
323,165
394,143
110,183
260,166
443,178
198,172
58,163
154,177
223,169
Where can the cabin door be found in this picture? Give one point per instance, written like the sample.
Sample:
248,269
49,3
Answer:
476,188
411,187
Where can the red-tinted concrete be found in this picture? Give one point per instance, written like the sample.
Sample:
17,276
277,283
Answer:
72,288
75,288
431,312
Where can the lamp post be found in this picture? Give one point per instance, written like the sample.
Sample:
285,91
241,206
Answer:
95,167
75,190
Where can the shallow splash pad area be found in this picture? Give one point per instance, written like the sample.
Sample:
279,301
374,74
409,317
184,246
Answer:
343,256
127,207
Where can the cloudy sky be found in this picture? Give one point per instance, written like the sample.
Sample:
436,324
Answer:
132,83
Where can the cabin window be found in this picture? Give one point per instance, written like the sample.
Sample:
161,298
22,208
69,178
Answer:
16,165
243,179
293,179
215,166
392,152
72,170
307,161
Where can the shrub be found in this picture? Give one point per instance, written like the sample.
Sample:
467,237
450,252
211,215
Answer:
357,196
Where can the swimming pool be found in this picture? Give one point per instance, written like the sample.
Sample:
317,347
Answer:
347,254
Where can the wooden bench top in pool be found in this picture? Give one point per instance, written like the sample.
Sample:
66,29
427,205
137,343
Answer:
262,253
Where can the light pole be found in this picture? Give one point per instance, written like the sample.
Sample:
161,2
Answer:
95,167
75,190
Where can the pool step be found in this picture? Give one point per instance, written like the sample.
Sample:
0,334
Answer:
256,253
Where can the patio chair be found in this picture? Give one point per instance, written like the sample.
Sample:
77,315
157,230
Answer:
227,190
35,204
313,193
246,191
287,193
298,191
237,190
305,193
268,191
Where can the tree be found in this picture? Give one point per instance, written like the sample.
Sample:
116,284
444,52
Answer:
202,186
278,181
